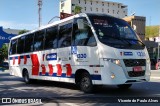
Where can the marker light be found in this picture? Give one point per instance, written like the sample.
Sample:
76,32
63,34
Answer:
113,76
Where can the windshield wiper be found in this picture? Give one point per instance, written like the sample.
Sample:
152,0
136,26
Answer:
138,41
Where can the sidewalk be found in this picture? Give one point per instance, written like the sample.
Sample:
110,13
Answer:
155,75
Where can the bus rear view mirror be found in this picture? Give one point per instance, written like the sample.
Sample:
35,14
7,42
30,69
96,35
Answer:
80,23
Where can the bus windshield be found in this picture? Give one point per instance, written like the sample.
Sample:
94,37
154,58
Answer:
115,32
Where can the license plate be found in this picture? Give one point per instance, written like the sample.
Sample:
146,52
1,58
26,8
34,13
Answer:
137,68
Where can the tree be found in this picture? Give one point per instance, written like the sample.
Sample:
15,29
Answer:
151,31
22,31
3,52
77,9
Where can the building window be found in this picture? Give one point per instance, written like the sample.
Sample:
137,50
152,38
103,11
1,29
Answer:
108,10
102,10
97,2
117,12
85,8
73,4
62,5
91,2
108,4
102,3
123,11
113,11
118,5
97,9
85,1
113,4
91,8
79,1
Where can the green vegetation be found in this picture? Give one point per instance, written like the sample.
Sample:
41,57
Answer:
77,9
152,31
3,52
22,31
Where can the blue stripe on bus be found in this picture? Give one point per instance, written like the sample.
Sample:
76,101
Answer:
16,57
94,77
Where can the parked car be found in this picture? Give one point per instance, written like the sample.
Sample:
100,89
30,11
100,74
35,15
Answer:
4,65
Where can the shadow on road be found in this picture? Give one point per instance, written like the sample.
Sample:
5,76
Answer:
51,88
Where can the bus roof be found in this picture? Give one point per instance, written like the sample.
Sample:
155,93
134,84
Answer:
61,21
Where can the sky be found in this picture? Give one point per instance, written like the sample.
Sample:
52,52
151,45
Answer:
23,14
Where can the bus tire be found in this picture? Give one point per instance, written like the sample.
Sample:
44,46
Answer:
86,83
27,80
124,86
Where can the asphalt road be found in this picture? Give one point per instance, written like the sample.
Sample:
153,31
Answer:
64,94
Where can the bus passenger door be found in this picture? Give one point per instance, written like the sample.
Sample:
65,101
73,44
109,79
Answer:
84,47
63,52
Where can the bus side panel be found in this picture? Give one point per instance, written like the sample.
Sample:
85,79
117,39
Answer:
87,58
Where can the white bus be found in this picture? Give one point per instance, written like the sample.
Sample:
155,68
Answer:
86,49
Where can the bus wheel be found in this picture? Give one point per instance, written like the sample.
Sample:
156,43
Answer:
124,86
26,77
86,83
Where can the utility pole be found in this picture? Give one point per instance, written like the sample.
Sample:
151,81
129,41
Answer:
39,11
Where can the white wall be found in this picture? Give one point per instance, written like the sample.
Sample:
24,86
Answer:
88,8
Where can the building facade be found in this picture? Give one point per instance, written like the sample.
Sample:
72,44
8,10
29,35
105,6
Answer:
138,22
94,6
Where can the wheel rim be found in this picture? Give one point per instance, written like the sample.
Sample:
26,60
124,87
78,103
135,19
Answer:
26,78
85,82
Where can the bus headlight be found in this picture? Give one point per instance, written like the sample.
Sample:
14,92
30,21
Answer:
115,61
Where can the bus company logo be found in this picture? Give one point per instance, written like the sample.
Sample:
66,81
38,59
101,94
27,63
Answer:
141,54
52,56
127,53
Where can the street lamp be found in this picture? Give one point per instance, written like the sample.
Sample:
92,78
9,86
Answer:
53,18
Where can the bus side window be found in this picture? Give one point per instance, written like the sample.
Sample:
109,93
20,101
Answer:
38,40
65,33
29,43
51,38
20,45
82,37
13,49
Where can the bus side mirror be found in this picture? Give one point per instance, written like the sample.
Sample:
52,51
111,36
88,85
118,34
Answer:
80,23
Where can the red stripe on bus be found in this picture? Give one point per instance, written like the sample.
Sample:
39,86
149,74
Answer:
59,70
25,59
35,64
50,69
69,70
43,69
19,60
13,60
43,57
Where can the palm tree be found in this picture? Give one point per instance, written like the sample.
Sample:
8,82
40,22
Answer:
77,9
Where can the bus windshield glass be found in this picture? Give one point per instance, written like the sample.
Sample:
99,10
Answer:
115,32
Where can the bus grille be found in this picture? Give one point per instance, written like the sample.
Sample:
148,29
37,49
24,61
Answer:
134,62
136,74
